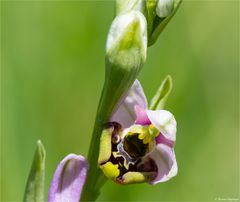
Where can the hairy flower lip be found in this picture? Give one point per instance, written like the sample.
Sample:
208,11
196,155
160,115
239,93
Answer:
118,165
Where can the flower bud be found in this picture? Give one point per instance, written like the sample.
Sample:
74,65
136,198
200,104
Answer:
128,5
164,8
127,40
126,51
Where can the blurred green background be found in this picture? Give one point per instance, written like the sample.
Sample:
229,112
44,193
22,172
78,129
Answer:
52,62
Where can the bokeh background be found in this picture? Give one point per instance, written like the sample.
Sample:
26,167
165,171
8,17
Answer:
52,72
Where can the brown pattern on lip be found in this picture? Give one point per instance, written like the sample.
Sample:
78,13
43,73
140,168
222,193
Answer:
130,154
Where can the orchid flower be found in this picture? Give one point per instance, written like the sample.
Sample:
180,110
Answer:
68,179
137,143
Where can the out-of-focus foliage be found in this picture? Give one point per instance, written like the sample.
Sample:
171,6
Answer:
52,72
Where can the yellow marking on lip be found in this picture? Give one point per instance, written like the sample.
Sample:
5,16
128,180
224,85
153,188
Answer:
146,140
105,145
110,170
151,126
116,154
134,177
141,136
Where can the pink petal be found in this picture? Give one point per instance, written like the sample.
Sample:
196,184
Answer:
161,139
125,113
68,180
165,122
141,115
165,160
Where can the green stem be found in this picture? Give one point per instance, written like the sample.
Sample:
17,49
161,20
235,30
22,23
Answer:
90,191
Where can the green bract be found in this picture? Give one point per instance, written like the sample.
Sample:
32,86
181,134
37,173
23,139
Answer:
34,191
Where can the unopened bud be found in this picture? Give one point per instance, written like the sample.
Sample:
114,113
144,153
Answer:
127,40
129,5
164,8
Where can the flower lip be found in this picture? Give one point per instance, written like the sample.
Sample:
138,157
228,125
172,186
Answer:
127,155
134,146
